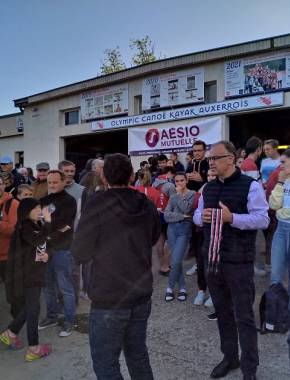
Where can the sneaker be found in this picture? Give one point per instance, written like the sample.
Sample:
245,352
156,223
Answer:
47,322
199,299
44,350
208,302
13,343
212,317
192,270
66,330
260,272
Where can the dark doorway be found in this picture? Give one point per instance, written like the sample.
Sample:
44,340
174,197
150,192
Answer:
80,148
265,125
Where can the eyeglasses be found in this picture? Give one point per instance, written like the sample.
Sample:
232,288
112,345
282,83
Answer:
216,158
198,150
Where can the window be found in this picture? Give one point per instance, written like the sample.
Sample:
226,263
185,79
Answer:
137,105
71,117
210,92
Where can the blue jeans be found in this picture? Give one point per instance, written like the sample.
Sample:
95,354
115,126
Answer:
280,252
114,330
58,276
178,238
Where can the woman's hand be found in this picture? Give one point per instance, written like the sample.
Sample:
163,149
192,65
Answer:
44,258
46,215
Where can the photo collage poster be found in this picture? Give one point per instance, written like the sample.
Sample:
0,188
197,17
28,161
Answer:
256,75
106,102
183,87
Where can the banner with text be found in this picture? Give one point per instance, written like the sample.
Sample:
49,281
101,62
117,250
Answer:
147,141
257,75
227,106
105,102
173,89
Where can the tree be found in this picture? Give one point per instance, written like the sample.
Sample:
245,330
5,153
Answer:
145,50
113,61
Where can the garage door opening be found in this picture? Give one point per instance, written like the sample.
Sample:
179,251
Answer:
80,148
265,125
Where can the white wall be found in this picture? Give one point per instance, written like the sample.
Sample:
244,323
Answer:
10,145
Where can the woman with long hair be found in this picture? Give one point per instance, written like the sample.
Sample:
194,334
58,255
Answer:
25,276
178,215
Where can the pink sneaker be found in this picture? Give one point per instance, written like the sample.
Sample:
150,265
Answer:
10,342
44,350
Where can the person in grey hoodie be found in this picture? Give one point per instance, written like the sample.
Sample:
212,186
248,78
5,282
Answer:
178,215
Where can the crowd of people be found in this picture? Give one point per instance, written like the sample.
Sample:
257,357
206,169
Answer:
56,236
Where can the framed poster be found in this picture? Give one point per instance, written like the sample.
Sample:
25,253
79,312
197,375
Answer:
182,87
105,102
257,75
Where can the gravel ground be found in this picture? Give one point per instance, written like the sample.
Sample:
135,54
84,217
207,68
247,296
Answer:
183,344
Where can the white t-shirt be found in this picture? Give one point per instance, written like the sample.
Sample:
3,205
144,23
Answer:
268,165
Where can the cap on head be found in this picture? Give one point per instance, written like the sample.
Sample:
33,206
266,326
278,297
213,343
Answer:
42,166
6,160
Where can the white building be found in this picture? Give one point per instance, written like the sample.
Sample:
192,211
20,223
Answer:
231,92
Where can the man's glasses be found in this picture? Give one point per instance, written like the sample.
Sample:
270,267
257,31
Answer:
216,158
198,150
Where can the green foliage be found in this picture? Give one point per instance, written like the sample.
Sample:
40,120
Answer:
145,50
113,61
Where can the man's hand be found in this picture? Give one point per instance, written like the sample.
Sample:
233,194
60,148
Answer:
206,215
227,215
196,177
64,229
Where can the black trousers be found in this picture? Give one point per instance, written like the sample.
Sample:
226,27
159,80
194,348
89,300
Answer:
233,293
29,314
2,270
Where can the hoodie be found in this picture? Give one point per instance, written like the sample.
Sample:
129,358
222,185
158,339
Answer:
116,231
164,185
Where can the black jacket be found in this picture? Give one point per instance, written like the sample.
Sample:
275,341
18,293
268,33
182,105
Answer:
237,246
117,231
22,269
202,168
64,214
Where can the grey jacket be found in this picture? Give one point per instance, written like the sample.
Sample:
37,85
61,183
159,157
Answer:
178,206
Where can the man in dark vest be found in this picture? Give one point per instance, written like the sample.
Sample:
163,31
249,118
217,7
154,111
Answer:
231,209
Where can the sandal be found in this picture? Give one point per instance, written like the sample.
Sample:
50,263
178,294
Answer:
10,342
44,350
182,296
169,296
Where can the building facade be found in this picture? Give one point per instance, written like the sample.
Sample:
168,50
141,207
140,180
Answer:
232,92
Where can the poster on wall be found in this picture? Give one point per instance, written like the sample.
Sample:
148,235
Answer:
182,87
148,141
257,75
106,102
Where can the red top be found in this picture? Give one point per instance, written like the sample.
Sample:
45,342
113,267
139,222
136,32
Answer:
152,193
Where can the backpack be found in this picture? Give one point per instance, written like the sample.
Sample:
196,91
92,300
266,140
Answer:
274,313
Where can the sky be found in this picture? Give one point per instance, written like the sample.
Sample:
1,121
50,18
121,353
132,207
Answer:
50,43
